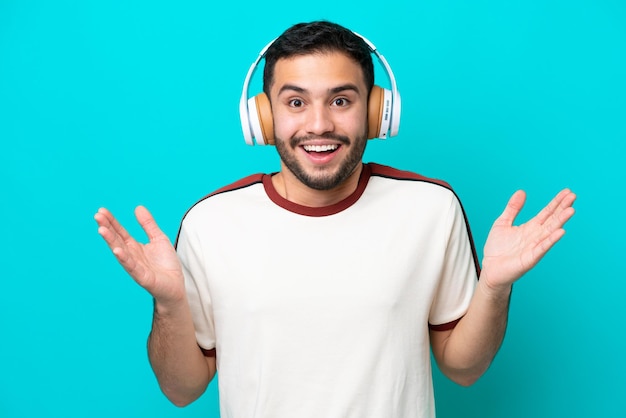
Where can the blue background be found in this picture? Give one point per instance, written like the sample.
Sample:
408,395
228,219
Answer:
119,103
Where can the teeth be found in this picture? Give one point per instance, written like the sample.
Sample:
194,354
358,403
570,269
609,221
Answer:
320,148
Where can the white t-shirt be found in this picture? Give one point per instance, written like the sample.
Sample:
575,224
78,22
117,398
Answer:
325,312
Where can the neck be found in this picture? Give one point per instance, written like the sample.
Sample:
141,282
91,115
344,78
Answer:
292,189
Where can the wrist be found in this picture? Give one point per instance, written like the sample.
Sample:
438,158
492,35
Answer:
169,306
494,291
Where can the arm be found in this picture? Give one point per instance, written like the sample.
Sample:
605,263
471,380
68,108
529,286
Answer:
465,352
181,368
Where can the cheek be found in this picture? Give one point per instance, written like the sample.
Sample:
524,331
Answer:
355,123
285,125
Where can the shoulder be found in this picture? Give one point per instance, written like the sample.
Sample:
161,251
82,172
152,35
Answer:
238,185
413,190
213,207
383,171
235,188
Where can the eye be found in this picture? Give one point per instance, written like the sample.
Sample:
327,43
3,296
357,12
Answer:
295,103
341,102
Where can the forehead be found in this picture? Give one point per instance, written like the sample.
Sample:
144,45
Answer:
318,70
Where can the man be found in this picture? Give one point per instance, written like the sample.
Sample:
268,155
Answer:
318,291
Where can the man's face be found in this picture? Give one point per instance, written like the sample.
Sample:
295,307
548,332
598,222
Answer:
319,106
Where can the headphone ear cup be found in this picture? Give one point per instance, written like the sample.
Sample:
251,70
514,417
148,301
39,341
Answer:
261,121
378,112
374,114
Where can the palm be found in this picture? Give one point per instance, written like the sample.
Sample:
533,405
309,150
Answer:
155,265
510,251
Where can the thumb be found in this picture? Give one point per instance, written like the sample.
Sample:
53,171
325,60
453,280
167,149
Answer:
512,209
147,222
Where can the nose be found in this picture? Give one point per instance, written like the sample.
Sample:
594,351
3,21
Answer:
319,120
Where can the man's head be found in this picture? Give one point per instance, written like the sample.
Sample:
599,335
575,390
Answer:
318,78
318,37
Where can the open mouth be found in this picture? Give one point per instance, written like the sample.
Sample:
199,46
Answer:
321,149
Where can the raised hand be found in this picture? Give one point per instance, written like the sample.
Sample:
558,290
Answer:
155,265
510,251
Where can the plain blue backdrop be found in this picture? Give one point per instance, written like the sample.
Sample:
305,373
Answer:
119,103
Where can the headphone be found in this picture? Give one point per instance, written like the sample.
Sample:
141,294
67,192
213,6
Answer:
383,112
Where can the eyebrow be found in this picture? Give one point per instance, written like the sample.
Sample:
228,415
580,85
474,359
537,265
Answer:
291,87
334,90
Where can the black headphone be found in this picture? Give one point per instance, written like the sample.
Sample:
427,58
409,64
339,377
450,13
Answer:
384,107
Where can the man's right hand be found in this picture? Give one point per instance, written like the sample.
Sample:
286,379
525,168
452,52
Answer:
155,265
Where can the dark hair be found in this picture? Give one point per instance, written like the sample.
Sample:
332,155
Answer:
316,37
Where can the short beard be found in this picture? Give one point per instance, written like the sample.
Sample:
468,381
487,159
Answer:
323,180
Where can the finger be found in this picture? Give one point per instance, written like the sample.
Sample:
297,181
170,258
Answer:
561,201
113,233
105,229
107,234
147,222
112,239
558,212
565,216
512,209
105,218
568,200
546,244
136,270
566,208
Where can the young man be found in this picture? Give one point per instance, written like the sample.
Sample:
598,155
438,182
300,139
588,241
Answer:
320,290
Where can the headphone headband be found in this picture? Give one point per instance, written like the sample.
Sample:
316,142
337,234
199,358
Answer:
243,102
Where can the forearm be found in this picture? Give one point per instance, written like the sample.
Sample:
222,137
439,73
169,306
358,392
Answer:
473,343
466,352
181,369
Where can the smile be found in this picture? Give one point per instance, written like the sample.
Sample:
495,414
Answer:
320,148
